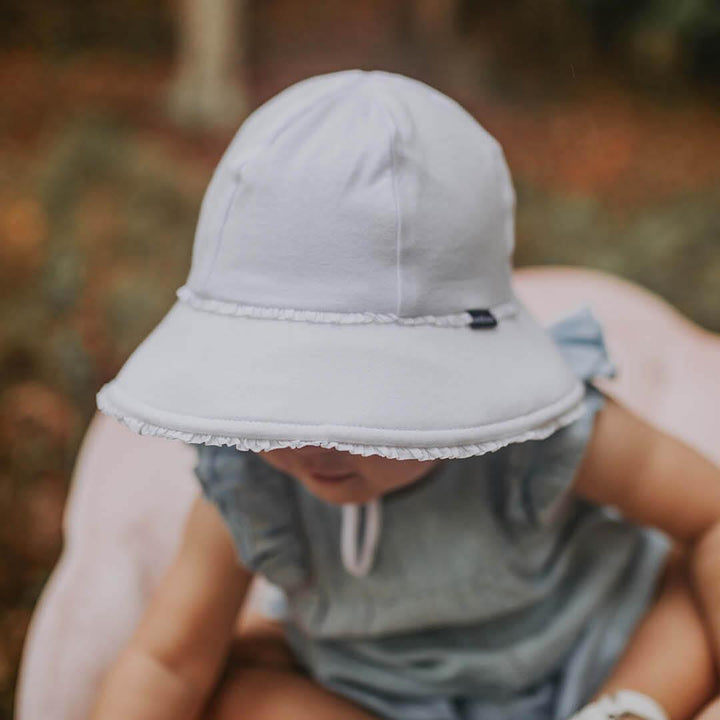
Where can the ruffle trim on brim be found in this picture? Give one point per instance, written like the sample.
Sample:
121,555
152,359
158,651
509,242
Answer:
398,453
224,307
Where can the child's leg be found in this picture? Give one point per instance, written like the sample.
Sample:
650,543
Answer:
670,657
263,682
711,711
258,693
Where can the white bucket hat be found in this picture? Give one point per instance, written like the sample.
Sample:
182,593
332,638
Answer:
350,288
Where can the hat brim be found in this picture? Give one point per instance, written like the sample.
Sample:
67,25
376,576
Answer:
400,391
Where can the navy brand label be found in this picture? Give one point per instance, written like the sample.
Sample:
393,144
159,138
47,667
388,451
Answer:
482,319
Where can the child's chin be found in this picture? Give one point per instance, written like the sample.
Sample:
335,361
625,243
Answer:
341,492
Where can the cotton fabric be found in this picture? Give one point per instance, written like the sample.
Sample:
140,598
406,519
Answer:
354,230
496,592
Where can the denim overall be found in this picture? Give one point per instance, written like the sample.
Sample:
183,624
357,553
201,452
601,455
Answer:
495,592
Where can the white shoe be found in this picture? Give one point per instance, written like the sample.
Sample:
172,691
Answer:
623,702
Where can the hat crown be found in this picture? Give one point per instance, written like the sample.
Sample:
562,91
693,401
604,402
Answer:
358,191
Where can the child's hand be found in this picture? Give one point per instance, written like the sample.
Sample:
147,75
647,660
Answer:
174,658
627,704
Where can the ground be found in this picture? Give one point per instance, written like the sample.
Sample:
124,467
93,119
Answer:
99,194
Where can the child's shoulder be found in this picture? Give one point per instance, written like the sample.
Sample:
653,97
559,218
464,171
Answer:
550,465
257,503
580,337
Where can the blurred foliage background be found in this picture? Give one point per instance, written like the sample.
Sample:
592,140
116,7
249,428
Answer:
608,110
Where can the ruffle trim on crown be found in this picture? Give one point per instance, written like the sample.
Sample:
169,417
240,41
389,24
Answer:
224,307
580,338
389,451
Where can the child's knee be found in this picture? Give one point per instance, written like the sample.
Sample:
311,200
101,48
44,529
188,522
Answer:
705,553
261,650
248,692
256,665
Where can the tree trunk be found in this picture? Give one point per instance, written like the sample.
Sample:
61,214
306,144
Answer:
207,91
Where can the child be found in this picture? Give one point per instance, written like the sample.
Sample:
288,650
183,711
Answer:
459,520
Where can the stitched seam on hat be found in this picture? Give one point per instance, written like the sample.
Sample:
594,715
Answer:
508,192
225,307
398,221
399,452
218,244
323,99
396,199
289,122
578,408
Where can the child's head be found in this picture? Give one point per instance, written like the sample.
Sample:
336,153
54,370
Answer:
340,477
350,288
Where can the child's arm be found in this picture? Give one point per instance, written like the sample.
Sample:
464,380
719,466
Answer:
655,479
171,663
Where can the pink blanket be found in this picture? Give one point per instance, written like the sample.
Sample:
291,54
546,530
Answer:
130,494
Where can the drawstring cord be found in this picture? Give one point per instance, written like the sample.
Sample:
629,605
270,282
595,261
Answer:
358,557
